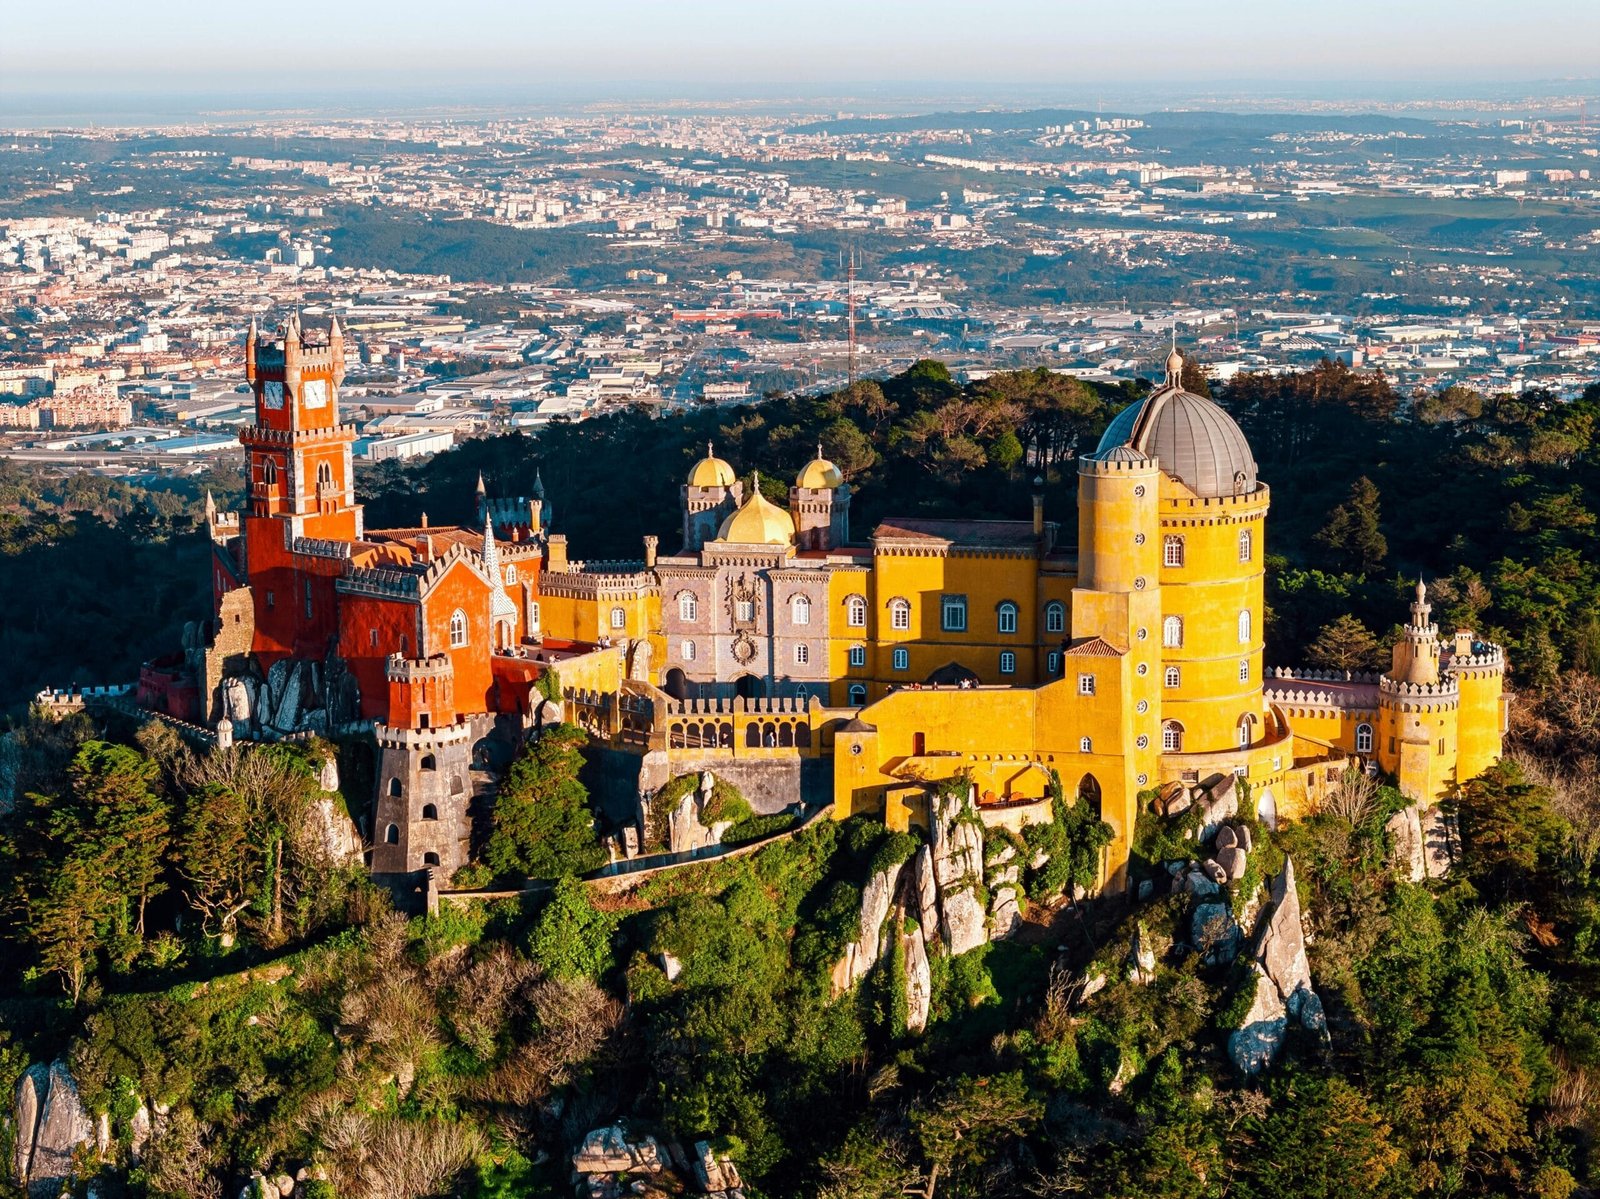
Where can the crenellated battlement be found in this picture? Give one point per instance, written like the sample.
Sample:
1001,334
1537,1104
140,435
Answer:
380,582
397,668
321,547
1403,690
390,737
1324,676
781,705
1116,466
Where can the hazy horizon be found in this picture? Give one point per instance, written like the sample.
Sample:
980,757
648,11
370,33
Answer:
189,58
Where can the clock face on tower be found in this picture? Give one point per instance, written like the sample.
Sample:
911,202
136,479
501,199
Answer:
272,395
314,393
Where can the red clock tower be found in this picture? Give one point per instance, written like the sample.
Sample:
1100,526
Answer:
301,516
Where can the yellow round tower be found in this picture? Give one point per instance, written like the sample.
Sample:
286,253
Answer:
1206,534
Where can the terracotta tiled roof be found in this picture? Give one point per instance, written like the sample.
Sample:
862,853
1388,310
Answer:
957,532
1094,647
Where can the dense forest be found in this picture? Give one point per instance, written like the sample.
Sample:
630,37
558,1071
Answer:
239,999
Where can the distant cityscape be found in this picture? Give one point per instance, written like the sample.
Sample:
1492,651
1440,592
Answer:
688,260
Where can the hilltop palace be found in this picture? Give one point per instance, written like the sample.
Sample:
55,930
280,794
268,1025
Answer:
804,665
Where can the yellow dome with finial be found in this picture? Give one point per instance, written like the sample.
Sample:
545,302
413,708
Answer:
711,471
758,522
819,474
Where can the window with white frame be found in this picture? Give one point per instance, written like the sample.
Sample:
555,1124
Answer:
855,612
1244,626
511,575
1172,737
1172,550
458,629
1008,663
533,618
1246,547
800,610
744,610
1363,738
1172,632
1055,617
1173,677
902,659
1006,617
858,655
1246,730
686,651
619,618
1085,745
802,655
1086,684
1244,670
953,614
688,607
899,614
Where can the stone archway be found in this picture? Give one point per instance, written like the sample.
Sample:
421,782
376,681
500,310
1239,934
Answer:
747,686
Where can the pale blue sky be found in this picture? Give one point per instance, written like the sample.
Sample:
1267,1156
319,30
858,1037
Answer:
284,45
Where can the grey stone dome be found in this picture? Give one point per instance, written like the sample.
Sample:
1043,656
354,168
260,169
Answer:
1194,440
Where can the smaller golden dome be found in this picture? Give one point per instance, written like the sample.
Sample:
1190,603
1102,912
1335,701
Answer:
819,474
758,522
711,471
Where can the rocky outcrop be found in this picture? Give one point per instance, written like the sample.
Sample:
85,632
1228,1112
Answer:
612,1163
927,890
1214,932
957,844
919,980
862,953
1141,956
715,1175
1438,842
1405,833
612,1151
50,1123
1282,977
686,827
1004,881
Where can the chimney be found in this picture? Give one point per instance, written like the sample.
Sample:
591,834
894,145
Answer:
650,544
1038,509
555,554
424,520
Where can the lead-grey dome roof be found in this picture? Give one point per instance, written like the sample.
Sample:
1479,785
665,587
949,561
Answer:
1194,440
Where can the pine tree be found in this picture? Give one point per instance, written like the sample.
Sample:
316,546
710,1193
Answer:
1345,644
1352,534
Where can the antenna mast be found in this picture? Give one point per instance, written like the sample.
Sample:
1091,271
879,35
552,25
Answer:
850,304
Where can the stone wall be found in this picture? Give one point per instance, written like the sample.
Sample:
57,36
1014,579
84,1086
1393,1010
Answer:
769,785
228,655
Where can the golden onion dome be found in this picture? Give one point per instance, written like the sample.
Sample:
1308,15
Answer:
819,474
758,522
711,471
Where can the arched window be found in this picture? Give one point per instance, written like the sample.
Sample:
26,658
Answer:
1244,626
1006,617
902,659
800,610
394,788
430,812
428,762
324,475
1171,737
1172,632
458,629
619,618
1055,617
899,614
1247,724
1173,677
1245,545
1244,670
1085,746
1363,738
269,472
855,612
511,575
1172,550
858,695
430,859
688,608
391,835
